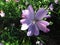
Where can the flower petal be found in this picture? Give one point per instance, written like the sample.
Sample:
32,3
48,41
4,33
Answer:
28,13
16,0
41,13
33,30
56,1
42,27
51,7
44,22
47,16
29,33
25,21
2,14
24,27
31,10
36,32
25,13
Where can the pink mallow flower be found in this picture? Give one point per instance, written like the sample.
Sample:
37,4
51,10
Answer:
2,14
33,22
16,0
56,1
51,7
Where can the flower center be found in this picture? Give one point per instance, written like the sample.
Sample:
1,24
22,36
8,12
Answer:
34,21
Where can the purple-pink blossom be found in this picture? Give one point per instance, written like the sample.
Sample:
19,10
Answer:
2,14
16,0
56,1
34,22
51,7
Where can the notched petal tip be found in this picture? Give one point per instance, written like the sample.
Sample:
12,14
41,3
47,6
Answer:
22,21
25,12
47,30
24,27
29,33
47,16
